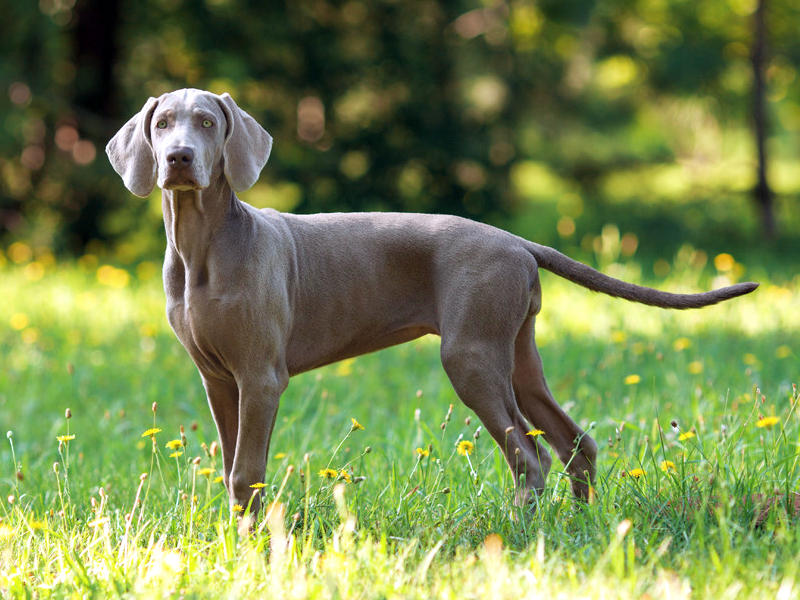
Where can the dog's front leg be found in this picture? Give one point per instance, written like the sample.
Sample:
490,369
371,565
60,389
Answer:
258,405
223,399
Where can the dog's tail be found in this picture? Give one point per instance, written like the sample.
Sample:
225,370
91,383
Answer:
577,272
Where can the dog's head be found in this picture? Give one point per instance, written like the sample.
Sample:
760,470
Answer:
184,139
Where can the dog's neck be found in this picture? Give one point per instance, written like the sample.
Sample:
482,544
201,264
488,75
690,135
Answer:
192,217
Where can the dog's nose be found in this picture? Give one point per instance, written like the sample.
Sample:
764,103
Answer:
180,157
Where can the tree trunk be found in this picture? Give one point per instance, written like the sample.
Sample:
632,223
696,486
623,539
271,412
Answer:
762,192
93,101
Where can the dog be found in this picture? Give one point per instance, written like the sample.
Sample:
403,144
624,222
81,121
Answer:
256,296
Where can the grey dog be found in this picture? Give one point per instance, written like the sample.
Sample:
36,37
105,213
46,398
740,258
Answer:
256,296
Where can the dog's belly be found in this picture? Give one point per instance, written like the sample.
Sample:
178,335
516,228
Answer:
301,359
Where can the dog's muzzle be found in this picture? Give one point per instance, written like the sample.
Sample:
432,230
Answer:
180,173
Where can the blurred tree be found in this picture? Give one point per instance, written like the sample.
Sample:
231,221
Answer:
762,192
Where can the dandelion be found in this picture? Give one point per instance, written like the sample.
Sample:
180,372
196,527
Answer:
356,425
176,454
237,508
97,522
63,439
695,367
279,455
328,473
767,422
345,367
635,473
681,344
750,359
422,452
345,475
19,321
668,466
206,471
465,447
218,479
258,485
174,444
151,432
535,432
632,379
724,262
686,435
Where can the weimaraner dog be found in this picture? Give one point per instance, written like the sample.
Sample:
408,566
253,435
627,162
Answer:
256,296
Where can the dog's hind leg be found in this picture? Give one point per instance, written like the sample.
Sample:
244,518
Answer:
478,336
574,447
488,391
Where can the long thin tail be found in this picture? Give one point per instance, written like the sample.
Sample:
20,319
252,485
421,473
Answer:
584,275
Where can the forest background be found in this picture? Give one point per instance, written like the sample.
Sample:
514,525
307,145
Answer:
654,123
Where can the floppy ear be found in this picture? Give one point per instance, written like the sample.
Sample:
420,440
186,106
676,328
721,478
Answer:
247,146
131,152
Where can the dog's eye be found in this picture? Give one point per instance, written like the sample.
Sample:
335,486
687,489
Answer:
207,123
161,124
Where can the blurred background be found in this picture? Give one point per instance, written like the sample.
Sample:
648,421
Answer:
610,126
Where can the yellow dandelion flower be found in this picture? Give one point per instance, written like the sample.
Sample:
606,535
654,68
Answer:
356,425
695,367
422,452
328,473
686,435
279,455
783,352
206,471
218,479
724,262
767,422
258,486
151,432
345,475
667,466
174,444
176,454
345,367
632,379
681,344
750,359
465,447
97,522
635,473
535,432
237,508
19,321
65,438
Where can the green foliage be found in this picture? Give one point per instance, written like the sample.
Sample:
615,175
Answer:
711,513
424,105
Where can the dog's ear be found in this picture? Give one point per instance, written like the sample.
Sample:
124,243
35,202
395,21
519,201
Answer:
130,152
247,146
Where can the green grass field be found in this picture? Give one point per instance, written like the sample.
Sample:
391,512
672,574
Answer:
93,506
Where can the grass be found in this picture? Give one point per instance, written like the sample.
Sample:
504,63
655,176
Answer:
693,497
